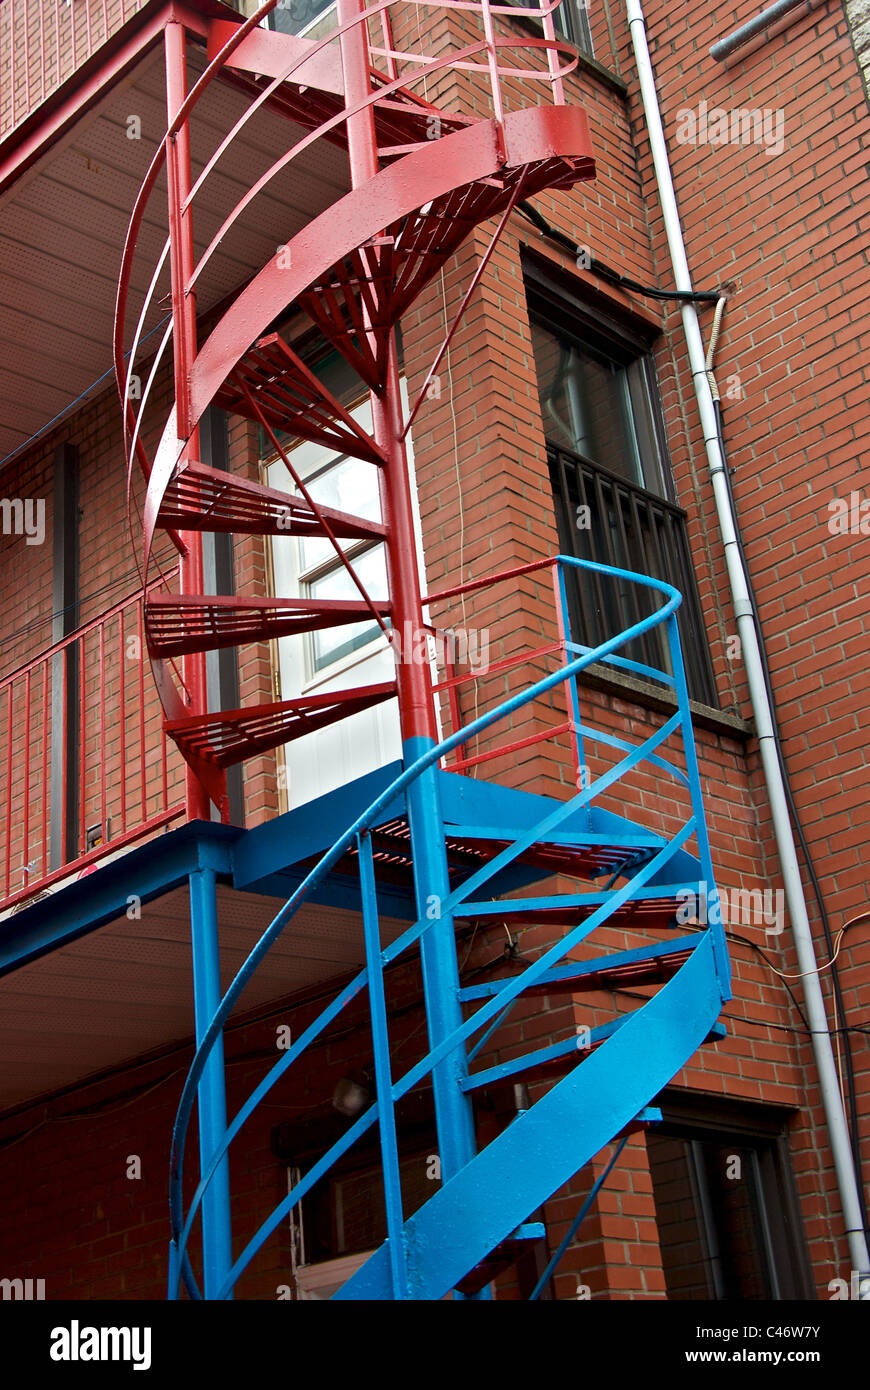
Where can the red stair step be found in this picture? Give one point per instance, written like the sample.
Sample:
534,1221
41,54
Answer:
233,735
176,624
200,498
276,380
385,281
314,92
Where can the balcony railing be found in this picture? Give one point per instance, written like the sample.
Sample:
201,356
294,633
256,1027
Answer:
613,522
42,42
84,768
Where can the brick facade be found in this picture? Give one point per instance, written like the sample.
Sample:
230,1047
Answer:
783,231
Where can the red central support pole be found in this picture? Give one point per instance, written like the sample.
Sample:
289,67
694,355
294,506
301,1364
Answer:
416,703
181,260
416,697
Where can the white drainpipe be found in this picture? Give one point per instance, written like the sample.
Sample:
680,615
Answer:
847,1182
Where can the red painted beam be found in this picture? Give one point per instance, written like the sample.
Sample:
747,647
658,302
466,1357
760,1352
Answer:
266,53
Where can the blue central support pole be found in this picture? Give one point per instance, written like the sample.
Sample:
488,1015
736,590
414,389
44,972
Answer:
217,1252
453,1109
414,686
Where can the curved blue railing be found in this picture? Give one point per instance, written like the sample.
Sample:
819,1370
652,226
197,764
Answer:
389,1092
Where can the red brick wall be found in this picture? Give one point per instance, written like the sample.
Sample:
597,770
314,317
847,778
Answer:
56,44
783,229
786,228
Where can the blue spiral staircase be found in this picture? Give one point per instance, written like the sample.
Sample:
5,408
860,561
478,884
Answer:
494,838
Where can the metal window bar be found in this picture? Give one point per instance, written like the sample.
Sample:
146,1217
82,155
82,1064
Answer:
630,528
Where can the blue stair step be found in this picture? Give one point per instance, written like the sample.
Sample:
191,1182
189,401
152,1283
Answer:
660,903
587,856
534,1065
645,965
500,1259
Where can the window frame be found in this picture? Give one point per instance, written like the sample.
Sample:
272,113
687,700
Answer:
764,1130
578,30
591,323
308,575
308,26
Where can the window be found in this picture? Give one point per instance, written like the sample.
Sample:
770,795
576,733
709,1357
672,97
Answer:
351,486
611,478
301,16
343,1215
726,1211
571,22
344,484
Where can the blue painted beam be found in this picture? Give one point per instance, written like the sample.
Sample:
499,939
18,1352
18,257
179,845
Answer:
88,903
337,890
547,1144
273,847
217,1245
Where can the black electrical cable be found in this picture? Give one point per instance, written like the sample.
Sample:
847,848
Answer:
836,986
606,272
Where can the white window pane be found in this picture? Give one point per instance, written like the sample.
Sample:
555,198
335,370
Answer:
352,487
331,643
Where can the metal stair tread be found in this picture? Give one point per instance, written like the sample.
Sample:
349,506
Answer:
176,624
502,1257
272,379
201,498
573,907
314,94
228,737
635,965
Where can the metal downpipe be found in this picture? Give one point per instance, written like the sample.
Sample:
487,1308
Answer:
820,1036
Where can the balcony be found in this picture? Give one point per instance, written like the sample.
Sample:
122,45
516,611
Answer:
43,42
84,770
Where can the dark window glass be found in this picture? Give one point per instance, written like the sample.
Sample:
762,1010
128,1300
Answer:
298,16
571,22
722,1210
612,488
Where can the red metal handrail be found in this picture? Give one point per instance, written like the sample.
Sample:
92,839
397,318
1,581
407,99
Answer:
80,705
425,66
454,679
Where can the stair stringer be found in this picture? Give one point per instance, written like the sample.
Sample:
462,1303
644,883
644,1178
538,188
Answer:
546,1145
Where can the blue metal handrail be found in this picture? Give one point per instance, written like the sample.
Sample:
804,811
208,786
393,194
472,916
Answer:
358,834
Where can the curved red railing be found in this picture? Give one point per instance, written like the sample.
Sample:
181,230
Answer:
99,671
459,60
